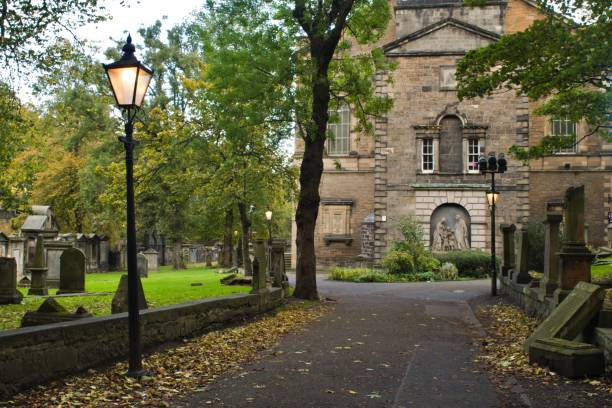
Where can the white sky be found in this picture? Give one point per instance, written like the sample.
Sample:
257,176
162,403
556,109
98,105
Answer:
136,14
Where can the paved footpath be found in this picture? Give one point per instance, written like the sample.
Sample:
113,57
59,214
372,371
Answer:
380,345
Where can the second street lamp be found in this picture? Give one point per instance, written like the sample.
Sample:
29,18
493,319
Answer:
491,166
129,80
269,222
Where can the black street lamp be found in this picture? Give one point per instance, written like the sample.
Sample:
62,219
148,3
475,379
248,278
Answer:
491,166
130,79
269,222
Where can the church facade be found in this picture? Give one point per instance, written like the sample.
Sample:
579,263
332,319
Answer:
421,161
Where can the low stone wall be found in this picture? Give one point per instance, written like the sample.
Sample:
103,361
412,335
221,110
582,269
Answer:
33,355
527,298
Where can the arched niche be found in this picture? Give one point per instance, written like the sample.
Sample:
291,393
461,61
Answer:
451,144
450,228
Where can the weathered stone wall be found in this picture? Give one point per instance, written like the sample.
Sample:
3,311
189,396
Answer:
32,355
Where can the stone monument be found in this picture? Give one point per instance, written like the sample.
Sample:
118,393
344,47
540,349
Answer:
259,267
72,271
574,259
279,278
8,282
38,271
508,244
54,250
550,280
520,274
152,259
119,303
142,265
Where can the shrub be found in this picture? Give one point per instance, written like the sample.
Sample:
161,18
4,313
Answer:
427,262
399,262
347,274
469,263
448,271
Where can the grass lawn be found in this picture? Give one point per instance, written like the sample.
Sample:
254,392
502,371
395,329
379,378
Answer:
599,272
161,288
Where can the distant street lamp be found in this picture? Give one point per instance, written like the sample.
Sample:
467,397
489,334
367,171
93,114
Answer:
129,80
269,222
491,166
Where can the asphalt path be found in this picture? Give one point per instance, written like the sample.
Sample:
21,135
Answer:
380,345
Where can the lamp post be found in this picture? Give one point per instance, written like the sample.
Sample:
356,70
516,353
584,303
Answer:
269,222
491,166
129,80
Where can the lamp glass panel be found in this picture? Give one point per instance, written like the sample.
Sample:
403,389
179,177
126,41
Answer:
123,80
144,79
268,215
492,198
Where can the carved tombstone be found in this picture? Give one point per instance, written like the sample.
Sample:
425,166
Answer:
508,246
278,263
551,256
72,271
152,259
259,267
8,282
38,271
142,265
521,270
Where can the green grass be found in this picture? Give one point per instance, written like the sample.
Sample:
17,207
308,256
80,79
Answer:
165,287
599,272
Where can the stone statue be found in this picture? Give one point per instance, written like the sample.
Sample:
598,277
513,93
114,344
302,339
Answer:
461,233
439,235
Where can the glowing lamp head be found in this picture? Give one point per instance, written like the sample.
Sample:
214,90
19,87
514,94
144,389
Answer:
129,78
269,215
492,198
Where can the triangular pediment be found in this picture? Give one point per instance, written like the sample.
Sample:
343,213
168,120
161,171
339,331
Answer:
445,36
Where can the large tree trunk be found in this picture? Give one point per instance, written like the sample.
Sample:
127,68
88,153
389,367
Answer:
177,250
228,244
246,226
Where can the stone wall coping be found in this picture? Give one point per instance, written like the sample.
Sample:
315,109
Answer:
444,186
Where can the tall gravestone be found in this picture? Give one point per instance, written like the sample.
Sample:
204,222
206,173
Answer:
8,282
508,244
277,263
259,267
54,250
38,271
575,258
521,270
142,265
550,280
72,271
152,259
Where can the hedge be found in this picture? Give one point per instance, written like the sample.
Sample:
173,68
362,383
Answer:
470,263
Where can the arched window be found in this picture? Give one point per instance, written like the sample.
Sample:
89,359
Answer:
451,145
339,135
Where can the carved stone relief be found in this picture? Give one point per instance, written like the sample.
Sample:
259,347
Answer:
450,228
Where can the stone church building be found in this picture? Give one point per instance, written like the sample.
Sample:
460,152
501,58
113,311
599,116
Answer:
421,160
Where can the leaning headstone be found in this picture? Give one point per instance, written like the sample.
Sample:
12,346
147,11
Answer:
575,258
152,259
521,270
259,270
508,244
120,300
550,280
52,312
72,271
572,315
38,271
8,282
142,265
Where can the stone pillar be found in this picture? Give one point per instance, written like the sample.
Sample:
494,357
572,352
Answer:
104,253
278,263
8,282
259,267
38,271
521,272
508,247
239,261
550,279
575,258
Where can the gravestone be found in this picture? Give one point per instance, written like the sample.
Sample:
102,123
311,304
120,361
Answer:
550,280
52,312
575,258
152,259
120,300
54,250
279,278
72,271
8,282
572,315
508,244
521,271
38,271
570,359
142,266
259,270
